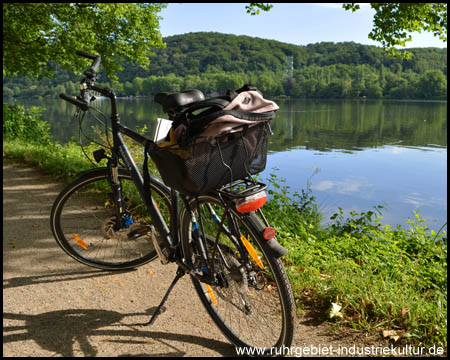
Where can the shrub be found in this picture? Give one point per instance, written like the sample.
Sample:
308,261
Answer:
25,124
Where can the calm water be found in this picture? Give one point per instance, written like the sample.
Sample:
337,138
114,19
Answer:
355,154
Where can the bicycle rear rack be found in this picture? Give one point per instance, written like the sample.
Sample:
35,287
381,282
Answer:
241,189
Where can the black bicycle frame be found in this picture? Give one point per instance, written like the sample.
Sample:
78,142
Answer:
119,147
169,235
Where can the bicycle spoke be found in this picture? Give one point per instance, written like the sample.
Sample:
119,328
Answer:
249,304
87,211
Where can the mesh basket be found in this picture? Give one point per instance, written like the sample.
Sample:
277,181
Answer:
211,164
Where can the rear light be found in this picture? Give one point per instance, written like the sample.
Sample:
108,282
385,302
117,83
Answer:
252,202
269,233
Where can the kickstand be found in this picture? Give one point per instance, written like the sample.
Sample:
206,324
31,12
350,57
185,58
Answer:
180,274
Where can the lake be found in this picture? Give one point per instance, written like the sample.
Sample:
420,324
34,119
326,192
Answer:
354,154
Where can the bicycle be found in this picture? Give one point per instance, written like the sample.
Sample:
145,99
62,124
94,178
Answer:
116,218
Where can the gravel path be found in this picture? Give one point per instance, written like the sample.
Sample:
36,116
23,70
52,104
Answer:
55,306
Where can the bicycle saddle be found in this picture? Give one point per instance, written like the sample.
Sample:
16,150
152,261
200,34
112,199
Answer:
172,101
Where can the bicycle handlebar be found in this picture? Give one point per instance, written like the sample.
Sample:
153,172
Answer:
81,104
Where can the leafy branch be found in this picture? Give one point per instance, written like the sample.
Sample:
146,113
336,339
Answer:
393,23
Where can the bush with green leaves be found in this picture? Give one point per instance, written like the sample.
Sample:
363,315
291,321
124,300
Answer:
25,124
383,277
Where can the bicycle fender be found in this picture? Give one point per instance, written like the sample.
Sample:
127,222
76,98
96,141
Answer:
274,248
271,246
92,172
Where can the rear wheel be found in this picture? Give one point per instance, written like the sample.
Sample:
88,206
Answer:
83,219
253,305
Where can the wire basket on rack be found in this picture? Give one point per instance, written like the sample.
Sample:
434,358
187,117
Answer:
205,165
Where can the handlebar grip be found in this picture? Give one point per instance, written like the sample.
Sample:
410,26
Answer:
104,91
82,105
96,59
96,64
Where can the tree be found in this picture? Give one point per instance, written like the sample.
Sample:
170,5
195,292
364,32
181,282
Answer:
433,85
373,89
393,21
138,85
36,34
254,8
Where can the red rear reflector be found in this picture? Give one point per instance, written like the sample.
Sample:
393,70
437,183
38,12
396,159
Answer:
252,203
269,233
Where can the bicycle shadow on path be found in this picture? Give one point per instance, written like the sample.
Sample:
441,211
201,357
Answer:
14,282
49,331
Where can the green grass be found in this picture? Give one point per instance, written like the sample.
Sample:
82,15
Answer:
64,162
385,278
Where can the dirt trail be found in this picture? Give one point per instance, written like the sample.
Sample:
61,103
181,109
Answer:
54,306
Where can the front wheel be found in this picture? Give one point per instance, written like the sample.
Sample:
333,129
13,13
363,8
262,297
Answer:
252,304
83,221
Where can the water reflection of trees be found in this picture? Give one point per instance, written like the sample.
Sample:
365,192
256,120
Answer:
135,113
326,125
314,124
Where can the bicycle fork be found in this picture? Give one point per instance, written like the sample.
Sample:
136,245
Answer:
117,198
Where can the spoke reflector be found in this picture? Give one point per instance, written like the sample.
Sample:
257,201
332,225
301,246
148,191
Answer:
211,294
252,251
80,242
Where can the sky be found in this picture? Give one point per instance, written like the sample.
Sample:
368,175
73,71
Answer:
294,23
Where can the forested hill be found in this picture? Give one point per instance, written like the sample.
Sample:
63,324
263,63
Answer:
203,52
215,62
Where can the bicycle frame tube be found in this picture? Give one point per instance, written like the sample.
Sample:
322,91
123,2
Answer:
172,239
159,222
121,149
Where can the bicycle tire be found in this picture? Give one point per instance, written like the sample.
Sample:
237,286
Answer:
211,298
82,216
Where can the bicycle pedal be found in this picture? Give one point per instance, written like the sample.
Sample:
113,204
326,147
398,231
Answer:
162,257
139,232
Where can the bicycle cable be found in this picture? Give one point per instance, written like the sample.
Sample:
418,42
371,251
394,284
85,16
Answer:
81,118
105,123
81,115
